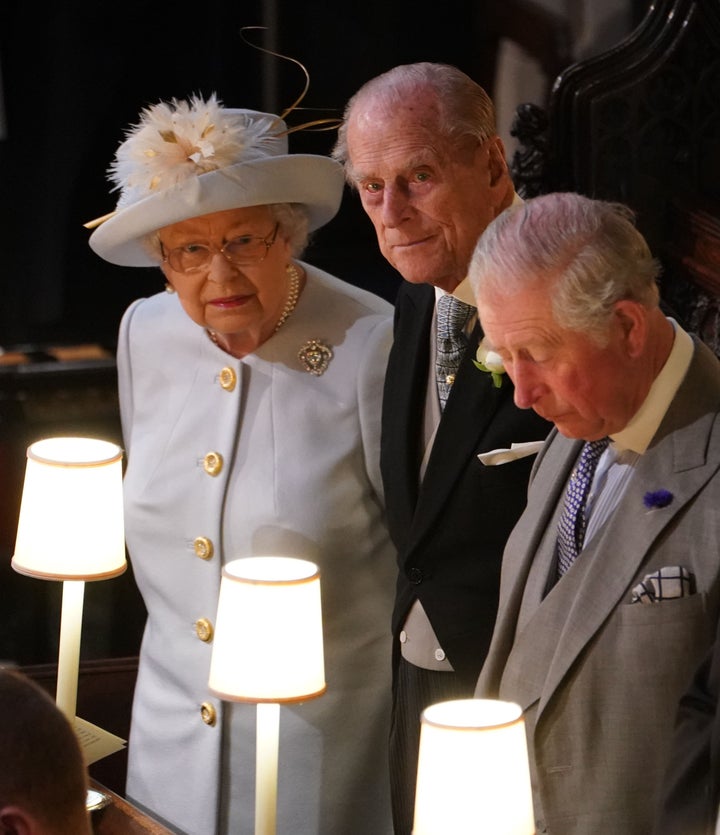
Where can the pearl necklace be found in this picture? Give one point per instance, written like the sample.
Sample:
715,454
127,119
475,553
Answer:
290,303
293,296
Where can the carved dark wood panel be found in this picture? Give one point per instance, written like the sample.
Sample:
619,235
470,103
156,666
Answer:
641,124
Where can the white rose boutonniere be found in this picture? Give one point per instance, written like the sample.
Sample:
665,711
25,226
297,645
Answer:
488,360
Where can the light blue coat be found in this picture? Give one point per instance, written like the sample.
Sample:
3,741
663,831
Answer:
299,476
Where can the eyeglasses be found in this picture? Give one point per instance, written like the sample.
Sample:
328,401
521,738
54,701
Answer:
246,249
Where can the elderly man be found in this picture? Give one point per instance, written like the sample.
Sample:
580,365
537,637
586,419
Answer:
419,144
610,583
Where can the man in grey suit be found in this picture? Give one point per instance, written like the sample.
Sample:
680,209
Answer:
690,798
602,619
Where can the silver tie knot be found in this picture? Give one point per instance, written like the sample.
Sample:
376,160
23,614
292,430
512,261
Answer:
453,316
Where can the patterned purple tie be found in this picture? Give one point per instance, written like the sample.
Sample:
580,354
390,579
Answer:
571,530
452,318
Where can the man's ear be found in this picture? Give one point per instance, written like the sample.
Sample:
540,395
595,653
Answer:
631,318
16,821
497,162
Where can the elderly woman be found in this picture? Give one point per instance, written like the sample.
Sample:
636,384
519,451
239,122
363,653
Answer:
250,401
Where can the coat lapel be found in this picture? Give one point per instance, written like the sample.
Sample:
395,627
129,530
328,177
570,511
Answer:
416,507
404,402
464,422
575,609
514,657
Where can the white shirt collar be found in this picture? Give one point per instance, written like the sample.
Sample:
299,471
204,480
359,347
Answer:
463,292
641,429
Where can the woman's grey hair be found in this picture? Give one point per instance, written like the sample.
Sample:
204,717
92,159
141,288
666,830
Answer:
588,253
293,220
293,226
464,108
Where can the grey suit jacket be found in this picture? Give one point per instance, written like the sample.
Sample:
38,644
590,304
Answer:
599,677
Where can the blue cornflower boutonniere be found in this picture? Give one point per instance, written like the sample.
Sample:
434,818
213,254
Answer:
491,362
657,498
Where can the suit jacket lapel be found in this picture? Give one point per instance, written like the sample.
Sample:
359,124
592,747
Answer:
526,561
528,557
576,608
404,402
464,421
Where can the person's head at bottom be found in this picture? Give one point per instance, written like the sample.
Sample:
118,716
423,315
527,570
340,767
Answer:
43,778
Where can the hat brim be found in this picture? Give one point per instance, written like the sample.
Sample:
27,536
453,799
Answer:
314,181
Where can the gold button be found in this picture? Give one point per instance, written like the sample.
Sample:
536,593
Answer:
208,713
204,629
450,379
213,463
203,547
228,378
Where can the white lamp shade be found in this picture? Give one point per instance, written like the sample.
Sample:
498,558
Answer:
473,773
268,643
71,514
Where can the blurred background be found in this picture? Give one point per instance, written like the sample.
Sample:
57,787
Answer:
73,77
76,75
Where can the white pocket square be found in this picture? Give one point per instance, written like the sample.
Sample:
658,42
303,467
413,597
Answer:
666,583
502,456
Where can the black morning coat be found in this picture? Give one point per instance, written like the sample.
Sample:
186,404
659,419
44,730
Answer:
451,530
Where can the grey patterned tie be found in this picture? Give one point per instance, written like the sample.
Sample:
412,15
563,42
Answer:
452,318
571,530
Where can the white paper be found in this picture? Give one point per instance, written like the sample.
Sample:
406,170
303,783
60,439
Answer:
502,456
95,742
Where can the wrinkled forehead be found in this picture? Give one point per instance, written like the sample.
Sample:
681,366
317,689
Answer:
381,141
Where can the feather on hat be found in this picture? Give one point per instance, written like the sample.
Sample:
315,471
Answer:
189,158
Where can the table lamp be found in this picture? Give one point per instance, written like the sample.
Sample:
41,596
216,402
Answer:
70,528
473,772
268,650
